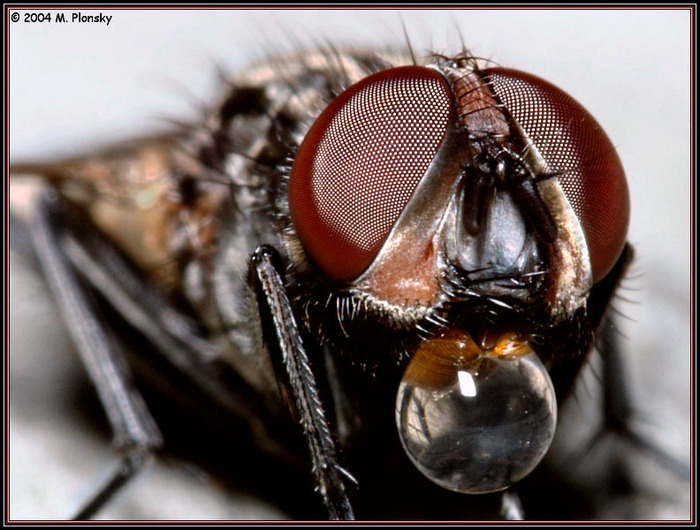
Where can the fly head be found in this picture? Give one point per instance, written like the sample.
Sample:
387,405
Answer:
454,221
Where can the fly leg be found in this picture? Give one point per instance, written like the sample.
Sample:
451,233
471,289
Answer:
135,433
276,312
619,411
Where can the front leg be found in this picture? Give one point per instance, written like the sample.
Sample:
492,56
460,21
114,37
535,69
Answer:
277,316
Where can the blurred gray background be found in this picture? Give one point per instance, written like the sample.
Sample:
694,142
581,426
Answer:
74,86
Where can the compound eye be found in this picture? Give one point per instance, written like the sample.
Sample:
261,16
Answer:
576,148
360,163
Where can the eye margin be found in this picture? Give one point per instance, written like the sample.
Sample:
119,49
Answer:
310,229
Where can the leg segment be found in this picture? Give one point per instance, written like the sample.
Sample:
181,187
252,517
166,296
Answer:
135,432
276,313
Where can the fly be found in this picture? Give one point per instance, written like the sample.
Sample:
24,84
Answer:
376,270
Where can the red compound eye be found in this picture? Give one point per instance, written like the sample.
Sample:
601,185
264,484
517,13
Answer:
360,163
575,146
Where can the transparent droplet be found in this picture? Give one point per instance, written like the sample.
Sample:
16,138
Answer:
474,421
